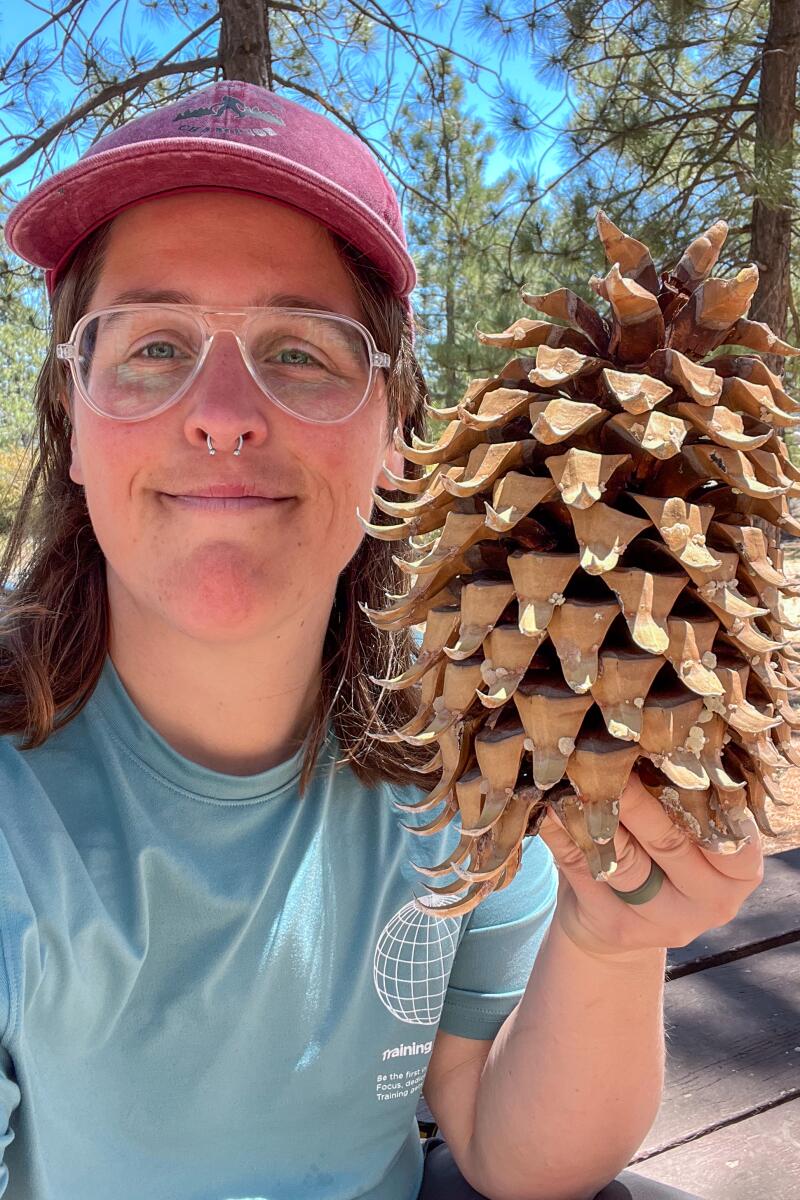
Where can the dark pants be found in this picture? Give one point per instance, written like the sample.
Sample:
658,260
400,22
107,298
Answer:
442,1180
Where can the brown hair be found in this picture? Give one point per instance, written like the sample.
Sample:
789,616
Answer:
54,620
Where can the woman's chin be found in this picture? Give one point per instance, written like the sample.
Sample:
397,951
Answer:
224,595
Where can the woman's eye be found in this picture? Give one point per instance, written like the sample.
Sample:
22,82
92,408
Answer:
293,356
159,350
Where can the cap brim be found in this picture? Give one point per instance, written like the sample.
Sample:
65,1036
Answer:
46,226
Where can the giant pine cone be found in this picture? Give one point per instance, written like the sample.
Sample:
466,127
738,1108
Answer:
604,588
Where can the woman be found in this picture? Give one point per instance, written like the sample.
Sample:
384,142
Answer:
214,981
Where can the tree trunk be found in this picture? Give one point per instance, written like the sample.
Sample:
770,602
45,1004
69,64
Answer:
244,47
776,113
450,373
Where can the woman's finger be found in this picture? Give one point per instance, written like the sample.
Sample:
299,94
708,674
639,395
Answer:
693,869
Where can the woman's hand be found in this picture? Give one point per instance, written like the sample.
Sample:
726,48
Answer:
702,888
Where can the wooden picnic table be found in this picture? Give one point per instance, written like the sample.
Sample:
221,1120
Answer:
729,1123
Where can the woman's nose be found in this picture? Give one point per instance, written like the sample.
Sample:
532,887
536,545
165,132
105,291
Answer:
224,402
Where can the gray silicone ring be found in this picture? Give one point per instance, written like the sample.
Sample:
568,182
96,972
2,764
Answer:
648,889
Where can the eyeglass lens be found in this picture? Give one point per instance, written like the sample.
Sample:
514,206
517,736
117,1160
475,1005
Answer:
132,361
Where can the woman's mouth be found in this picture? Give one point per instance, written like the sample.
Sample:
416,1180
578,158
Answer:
220,504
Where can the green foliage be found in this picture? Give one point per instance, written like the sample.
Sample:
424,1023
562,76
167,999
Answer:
22,348
663,135
23,342
459,240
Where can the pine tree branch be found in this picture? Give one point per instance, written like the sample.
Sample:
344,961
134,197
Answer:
628,55
691,115
137,89
390,24
686,117
102,97
99,22
626,15
55,17
333,111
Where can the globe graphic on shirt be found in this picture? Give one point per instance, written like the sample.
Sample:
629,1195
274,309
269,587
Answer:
412,964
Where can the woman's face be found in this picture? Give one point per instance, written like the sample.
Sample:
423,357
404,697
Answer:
228,574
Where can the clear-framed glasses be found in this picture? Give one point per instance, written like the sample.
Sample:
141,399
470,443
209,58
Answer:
133,361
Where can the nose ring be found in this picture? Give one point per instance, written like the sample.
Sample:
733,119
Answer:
212,448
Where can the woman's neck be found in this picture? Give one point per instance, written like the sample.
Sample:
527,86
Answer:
235,707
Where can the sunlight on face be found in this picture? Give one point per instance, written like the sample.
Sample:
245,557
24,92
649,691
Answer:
242,571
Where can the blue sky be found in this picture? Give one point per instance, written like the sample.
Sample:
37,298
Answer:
17,18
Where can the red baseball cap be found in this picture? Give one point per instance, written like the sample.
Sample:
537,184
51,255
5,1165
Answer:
234,136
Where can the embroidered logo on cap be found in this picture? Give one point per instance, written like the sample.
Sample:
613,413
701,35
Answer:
242,119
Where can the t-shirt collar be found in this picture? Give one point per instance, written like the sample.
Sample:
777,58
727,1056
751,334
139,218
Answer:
143,741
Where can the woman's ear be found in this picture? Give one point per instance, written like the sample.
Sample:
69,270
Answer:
394,461
75,470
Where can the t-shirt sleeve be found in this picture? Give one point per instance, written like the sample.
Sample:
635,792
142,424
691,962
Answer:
498,947
9,1099
14,916
9,1091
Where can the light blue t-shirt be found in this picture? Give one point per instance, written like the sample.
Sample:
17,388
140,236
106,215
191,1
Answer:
212,989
